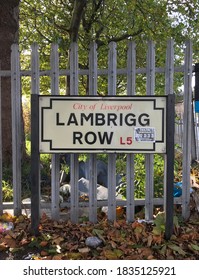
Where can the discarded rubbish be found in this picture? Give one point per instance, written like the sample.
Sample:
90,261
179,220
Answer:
145,221
93,242
5,226
177,189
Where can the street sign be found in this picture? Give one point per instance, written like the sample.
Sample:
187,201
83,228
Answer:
102,124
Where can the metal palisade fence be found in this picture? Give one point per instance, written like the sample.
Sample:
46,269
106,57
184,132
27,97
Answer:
93,74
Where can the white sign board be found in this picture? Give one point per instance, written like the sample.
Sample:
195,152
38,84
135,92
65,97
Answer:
102,124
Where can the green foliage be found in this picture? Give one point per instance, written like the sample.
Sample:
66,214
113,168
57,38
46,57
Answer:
7,191
47,22
140,175
26,117
159,223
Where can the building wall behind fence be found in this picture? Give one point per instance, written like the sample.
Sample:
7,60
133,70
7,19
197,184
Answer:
93,74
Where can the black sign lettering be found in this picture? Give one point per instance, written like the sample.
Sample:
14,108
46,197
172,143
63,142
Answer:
72,119
144,121
130,120
104,137
86,118
90,138
77,137
100,119
57,120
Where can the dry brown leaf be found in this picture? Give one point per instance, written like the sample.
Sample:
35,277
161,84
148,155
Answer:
3,246
149,240
84,250
43,243
57,240
44,253
10,241
145,252
7,217
57,257
110,255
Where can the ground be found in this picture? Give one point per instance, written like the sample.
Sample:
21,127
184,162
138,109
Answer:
119,240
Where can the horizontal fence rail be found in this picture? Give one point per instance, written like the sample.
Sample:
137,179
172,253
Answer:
93,73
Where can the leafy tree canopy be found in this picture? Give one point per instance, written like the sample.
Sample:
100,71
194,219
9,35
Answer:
103,21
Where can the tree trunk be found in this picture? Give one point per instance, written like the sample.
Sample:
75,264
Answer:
9,27
78,9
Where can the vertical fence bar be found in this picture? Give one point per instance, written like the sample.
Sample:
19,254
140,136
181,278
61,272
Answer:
187,130
193,135
149,158
112,78
1,155
169,70
35,155
92,158
196,109
196,134
169,200
16,127
169,75
74,164
181,132
131,75
55,164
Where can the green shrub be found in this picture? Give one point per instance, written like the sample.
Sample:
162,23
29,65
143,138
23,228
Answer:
7,191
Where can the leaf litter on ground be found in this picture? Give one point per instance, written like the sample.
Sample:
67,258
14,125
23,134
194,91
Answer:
59,240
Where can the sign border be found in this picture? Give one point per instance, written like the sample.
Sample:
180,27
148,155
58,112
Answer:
98,150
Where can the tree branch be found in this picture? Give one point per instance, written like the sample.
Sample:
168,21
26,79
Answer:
119,39
76,19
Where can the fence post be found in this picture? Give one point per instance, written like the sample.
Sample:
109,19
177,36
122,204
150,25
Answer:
16,127
169,200
130,169
196,107
112,77
93,158
55,169
187,130
1,157
74,163
35,155
169,71
149,158
193,135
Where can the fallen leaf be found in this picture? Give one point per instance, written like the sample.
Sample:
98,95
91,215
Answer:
119,212
73,256
57,240
3,246
6,217
149,240
195,247
110,255
57,257
10,241
44,253
43,243
84,250
145,252
163,250
177,249
20,219
113,254
24,242
99,233
113,244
